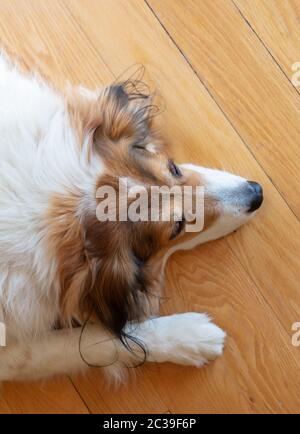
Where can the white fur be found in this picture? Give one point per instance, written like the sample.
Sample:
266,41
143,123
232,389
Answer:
151,148
38,157
230,191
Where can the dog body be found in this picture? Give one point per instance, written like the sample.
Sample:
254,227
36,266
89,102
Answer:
59,263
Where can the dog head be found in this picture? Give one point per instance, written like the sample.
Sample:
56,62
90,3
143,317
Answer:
106,252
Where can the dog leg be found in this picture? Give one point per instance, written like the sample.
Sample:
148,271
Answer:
58,352
186,339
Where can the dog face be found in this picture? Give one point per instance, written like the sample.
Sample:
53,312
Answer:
116,253
127,142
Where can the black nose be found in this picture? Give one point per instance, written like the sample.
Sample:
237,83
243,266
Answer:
256,196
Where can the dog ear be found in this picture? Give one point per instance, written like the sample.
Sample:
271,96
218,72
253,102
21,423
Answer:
113,292
121,113
116,285
125,113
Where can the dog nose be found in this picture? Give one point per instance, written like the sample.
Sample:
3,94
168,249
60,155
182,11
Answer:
256,196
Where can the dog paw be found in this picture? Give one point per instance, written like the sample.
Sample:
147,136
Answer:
192,339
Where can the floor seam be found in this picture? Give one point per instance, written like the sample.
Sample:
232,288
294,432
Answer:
266,47
81,397
73,18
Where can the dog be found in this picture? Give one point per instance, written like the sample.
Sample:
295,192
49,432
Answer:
76,290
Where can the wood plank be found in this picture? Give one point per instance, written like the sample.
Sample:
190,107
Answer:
140,393
43,36
276,22
4,407
53,396
243,78
201,132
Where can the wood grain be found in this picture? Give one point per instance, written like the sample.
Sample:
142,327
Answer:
55,396
245,81
43,35
140,395
249,282
4,407
277,24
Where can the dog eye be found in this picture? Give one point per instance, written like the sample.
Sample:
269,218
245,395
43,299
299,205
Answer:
174,169
177,228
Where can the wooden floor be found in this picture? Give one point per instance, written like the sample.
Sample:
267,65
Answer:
223,70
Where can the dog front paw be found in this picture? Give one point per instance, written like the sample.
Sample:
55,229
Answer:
192,339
